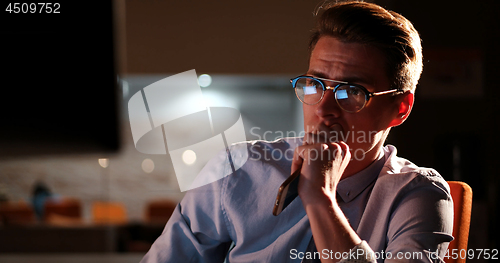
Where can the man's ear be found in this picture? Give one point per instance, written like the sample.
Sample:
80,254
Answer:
405,104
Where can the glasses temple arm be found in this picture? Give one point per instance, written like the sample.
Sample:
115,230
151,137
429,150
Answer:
386,92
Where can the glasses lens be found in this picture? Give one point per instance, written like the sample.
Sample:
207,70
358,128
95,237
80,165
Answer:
350,98
308,90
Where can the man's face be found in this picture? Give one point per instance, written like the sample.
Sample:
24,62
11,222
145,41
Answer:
354,63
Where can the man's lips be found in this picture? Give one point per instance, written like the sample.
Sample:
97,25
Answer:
323,133
335,132
327,130
336,127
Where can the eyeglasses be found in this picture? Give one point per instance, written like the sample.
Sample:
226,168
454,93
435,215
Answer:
350,97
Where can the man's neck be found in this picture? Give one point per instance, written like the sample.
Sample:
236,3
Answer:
357,165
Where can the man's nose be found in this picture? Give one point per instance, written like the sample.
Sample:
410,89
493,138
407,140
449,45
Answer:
328,106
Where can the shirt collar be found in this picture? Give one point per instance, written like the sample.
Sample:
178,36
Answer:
353,185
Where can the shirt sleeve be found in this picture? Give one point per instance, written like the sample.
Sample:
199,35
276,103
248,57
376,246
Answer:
421,223
419,226
196,231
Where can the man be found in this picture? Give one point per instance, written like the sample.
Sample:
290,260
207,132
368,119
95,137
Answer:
355,194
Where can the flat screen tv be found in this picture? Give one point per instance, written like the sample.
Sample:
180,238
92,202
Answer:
59,90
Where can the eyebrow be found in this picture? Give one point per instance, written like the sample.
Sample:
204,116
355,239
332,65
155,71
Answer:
317,74
351,79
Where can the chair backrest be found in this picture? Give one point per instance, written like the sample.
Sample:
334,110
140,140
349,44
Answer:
109,213
68,207
462,206
16,213
159,211
62,211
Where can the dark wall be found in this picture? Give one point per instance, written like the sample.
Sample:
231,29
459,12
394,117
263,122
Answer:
235,37
457,134
453,126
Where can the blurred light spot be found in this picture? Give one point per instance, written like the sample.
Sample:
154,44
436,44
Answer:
103,162
148,165
188,157
217,99
125,88
204,80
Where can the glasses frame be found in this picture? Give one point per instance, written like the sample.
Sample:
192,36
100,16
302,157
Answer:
325,87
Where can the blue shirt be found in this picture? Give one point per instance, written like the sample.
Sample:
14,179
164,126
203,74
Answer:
393,205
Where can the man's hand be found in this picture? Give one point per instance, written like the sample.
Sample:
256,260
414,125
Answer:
322,164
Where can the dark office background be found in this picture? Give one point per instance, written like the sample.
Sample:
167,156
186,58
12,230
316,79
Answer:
453,127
